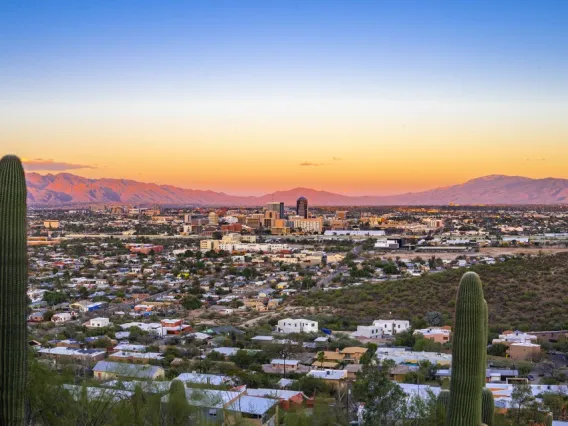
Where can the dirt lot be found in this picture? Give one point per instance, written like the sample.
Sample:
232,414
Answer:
499,251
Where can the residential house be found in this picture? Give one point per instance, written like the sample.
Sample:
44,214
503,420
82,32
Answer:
290,325
135,357
437,334
524,351
402,356
392,327
399,372
61,317
65,354
334,378
231,407
98,323
175,326
205,379
353,354
287,398
105,370
36,316
289,365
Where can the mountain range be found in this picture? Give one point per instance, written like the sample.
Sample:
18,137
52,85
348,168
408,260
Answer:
66,189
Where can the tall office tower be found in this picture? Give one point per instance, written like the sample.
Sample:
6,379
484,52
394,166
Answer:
273,207
282,210
302,207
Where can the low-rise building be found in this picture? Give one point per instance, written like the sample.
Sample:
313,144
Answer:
392,327
98,323
73,354
290,325
105,370
402,356
61,317
437,334
524,351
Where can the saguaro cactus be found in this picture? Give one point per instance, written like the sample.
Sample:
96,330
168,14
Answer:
468,354
13,286
487,407
548,419
178,406
442,403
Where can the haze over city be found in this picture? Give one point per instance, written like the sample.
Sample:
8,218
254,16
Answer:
370,98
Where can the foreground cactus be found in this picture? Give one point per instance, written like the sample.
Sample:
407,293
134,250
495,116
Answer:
548,419
442,403
178,406
487,407
13,286
468,354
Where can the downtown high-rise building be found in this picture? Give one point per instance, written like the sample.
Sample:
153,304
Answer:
302,207
277,207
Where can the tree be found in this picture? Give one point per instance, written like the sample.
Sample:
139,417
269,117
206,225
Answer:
320,358
521,397
497,349
434,319
426,345
191,302
47,315
385,401
54,297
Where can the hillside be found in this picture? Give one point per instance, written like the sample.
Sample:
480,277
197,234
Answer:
66,188
526,294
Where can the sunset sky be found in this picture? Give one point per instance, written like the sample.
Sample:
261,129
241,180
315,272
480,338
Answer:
248,97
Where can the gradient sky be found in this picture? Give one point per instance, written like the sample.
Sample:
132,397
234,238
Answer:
359,97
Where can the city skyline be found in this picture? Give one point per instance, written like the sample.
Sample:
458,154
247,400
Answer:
373,98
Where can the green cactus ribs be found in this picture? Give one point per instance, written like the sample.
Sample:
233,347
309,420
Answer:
468,354
487,407
13,285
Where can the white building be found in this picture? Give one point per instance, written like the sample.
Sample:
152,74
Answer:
61,317
97,323
402,356
386,243
290,325
392,327
515,337
368,332
308,225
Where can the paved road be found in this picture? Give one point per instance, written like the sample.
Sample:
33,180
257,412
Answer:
324,282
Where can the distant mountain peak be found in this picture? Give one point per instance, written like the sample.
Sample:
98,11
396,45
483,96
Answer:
66,188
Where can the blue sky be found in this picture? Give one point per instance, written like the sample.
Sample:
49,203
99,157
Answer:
435,48
119,83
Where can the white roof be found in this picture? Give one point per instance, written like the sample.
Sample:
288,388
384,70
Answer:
98,393
273,393
61,350
263,338
137,355
287,362
151,387
130,348
211,379
252,405
328,374
199,336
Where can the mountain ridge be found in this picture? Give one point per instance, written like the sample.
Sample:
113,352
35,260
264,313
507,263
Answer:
66,188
